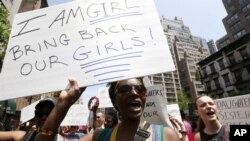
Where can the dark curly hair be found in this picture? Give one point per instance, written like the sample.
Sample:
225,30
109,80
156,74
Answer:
112,92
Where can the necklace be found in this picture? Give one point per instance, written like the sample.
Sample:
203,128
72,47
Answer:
114,133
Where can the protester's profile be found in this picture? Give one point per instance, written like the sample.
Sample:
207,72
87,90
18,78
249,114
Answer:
209,126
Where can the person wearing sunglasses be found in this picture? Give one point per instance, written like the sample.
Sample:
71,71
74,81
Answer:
128,97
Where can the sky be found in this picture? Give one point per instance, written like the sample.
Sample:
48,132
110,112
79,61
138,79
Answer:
203,17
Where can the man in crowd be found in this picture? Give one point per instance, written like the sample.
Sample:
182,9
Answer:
42,110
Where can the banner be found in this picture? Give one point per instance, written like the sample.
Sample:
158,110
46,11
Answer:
92,41
234,110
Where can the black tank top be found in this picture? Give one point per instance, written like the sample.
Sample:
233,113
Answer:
215,137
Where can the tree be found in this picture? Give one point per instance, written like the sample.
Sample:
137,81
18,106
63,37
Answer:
4,32
183,100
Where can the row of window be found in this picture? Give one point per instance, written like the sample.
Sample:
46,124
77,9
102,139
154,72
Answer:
232,18
240,2
243,52
246,8
239,34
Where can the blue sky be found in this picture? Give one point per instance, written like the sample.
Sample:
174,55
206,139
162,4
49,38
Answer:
204,18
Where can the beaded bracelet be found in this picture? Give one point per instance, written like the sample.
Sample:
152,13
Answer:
45,132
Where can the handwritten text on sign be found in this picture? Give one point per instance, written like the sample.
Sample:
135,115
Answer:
234,110
93,41
155,107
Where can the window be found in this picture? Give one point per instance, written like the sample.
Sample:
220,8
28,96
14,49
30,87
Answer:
232,8
243,53
208,86
241,2
229,2
248,17
246,8
217,83
212,68
203,72
237,75
226,80
239,34
248,69
232,18
231,58
221,64
236,26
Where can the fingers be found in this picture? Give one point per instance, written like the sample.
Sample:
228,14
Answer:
74,85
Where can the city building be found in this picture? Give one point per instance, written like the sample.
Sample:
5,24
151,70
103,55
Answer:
212,47
186,50
236,22
227,72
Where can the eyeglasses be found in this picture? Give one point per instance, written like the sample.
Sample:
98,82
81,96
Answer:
41,114
126,89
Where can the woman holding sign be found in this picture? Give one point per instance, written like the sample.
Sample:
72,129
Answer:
209,126
128,97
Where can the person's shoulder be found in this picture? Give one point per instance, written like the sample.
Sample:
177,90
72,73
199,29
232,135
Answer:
197,136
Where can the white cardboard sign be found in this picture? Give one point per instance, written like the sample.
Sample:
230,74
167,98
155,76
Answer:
104,100
234,110
92,41
28,112
77,115
155,107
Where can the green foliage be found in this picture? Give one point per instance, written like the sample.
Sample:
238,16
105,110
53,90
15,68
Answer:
183,100
4,32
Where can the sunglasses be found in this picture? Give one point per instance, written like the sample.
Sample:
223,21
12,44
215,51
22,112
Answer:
41,114
126,89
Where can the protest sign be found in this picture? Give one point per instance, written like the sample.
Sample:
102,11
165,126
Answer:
234,110
28,112
155,111
104,100
92,41
77,115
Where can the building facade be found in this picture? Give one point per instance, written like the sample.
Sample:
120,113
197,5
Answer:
212,46
228,71
186,50
237,21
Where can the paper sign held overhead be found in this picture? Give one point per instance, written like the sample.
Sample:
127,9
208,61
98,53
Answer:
92,41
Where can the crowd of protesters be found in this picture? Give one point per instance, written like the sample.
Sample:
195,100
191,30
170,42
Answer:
124,123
